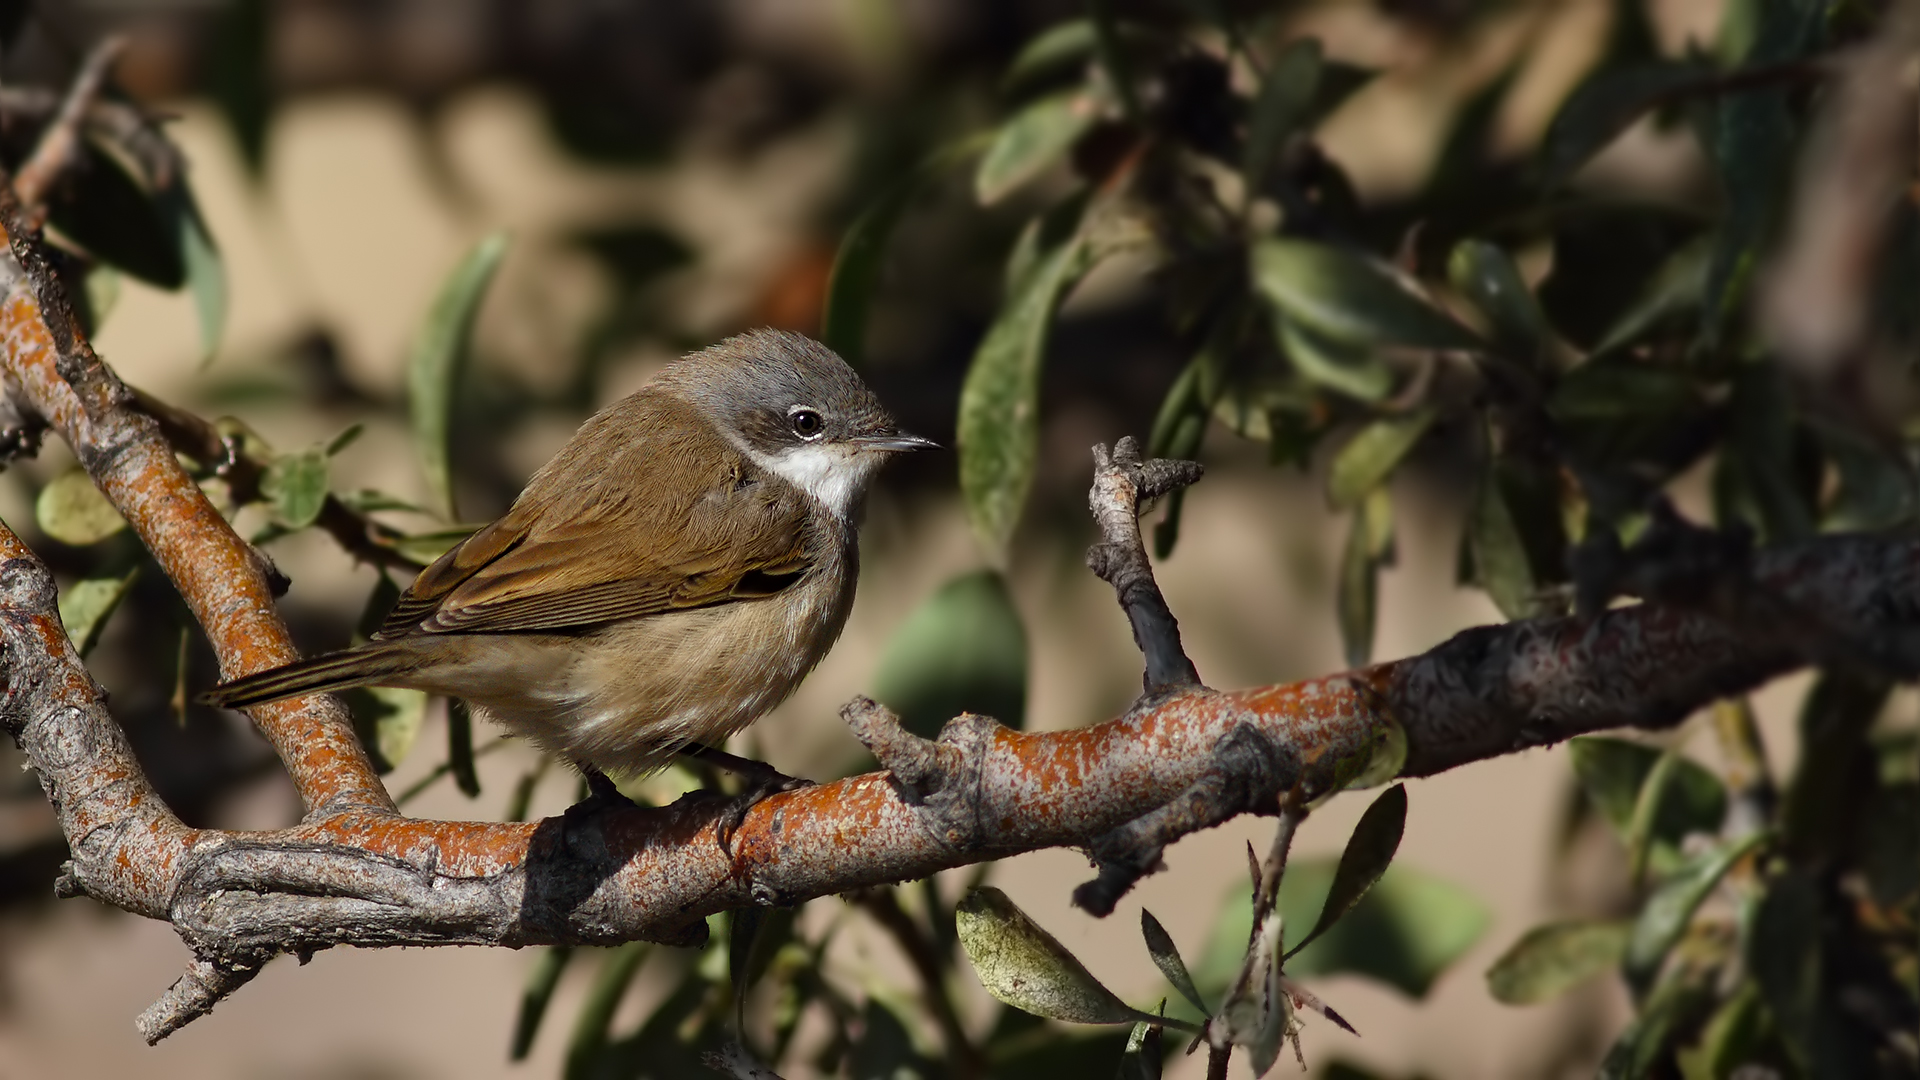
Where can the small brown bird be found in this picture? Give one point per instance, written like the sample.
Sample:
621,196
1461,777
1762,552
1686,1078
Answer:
670,576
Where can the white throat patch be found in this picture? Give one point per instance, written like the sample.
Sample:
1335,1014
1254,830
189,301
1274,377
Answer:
833,473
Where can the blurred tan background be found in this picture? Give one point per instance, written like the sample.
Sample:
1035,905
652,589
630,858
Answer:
351,226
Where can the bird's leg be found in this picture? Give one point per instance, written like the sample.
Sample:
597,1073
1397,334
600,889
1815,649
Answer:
755,774
762,780
602,794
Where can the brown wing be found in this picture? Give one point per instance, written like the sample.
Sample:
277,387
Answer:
646,510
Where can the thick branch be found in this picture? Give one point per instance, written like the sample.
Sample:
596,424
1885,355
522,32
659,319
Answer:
51,369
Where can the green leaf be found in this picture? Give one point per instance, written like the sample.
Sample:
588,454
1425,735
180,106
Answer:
1763,456
1675,1003
1032,140
1283,104
399,715
1144,1058
1876,489
296,487
1350,297
1024,966
1604,106
1355,370
73,511
1665,915
1736,1035
460,748
1552,959
548,966
1369,544
206,274
999,426
87,604
1166,957
345,439
101,295
856,266
1499,552
1488,278
590,1028
1056,46
1675,289
1369,852
963,650
885,1047
428,546
1370,457
438,358
1612,772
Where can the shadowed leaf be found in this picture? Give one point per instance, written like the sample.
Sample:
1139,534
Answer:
1665,915
1167,958
1488,278
1350,297
1675,1003
1368,458
1054,47
1356,370
1674,290
206,274
73,511
1552,959
438,358
1605,106
591,1026
1369,545
460,748
1368,853
548,966
1282,105
1143,1057
1612,771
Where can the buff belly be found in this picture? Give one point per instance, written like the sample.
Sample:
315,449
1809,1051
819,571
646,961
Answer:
626,698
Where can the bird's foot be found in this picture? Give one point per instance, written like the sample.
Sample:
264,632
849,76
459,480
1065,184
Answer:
602,796
762,782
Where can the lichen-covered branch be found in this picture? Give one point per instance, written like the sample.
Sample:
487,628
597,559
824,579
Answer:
1184,757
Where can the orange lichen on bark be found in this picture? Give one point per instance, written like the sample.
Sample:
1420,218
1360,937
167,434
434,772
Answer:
56,373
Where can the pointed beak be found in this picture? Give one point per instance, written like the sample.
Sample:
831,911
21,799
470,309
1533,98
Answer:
897,444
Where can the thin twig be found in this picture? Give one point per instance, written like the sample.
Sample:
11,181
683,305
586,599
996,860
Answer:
59,147
884,905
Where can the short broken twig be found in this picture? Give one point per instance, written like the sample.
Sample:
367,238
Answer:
1121,482
59,147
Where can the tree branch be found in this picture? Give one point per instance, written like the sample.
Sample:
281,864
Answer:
355,872
59,147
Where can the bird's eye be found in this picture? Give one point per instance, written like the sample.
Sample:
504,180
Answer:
806,423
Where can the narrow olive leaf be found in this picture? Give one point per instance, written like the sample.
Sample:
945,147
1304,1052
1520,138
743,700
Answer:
345,439
296,487
1034,138
460,748
1500,561
1604,106
1356,598
1057,46
1667,912
1613,773
1350,296
1638,1052
1488,278
1356,370
1646,805
1286,96
535,996
206,273
1369,539
1369,851
999,426
1022,965
102,293
856,269
86,605
590,1027
1143,1059
1369,458
1730,1038
856,266
439,354
1676,289
1549,960
73,511
1167,958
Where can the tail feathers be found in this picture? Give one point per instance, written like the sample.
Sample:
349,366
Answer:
364,666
